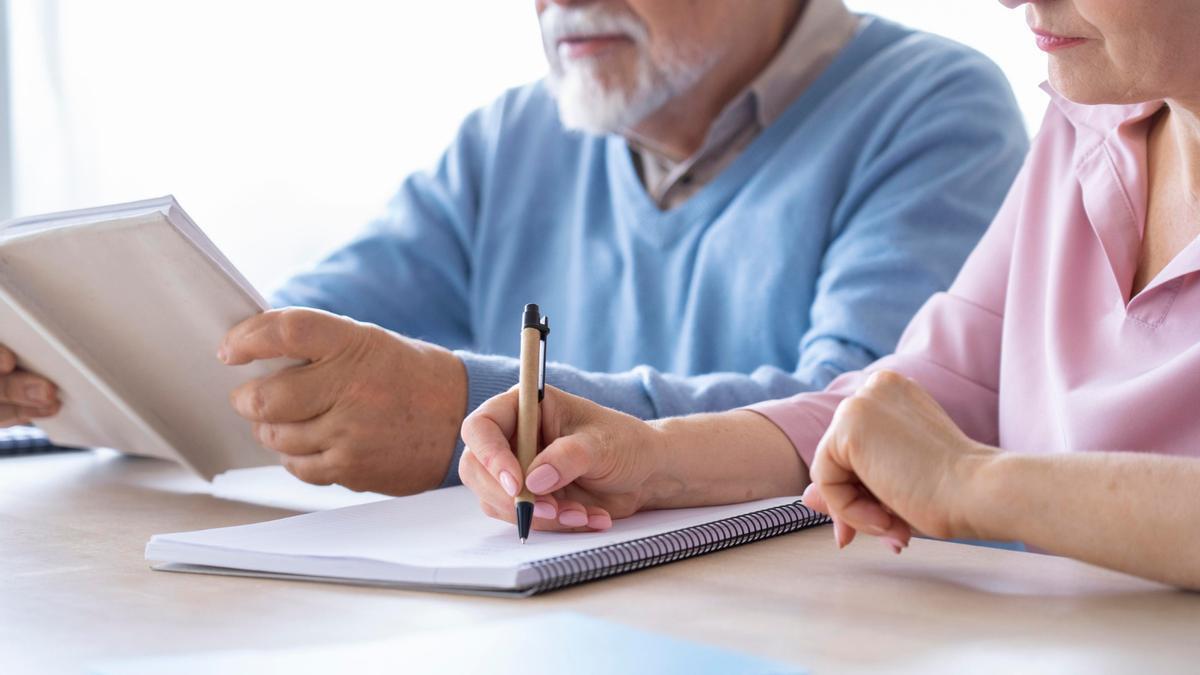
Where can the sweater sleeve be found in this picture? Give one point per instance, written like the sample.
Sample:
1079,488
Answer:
951,348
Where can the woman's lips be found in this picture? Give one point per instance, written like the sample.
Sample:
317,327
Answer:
580,46
1049,42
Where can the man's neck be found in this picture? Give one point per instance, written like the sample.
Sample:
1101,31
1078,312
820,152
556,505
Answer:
678,129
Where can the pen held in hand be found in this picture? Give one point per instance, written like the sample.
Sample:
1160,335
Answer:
530,390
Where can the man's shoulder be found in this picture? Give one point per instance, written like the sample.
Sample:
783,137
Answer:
913,56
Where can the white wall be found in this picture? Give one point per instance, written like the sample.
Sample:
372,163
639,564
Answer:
283,126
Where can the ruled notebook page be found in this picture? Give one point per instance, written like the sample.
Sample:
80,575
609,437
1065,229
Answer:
440,537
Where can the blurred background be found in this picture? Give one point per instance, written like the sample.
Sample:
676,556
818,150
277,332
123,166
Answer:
283,127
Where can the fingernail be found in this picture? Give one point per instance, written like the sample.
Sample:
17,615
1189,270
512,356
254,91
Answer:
895,547
837,536
509,484
222,355
573,518
599,522
38,393
894,542
542,479
544,510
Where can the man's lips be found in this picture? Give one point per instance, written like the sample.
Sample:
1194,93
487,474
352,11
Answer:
578,46
1050,42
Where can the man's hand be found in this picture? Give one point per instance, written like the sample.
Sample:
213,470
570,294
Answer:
370,410
23,395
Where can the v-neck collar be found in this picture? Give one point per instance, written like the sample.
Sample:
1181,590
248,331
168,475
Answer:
660,226
1110,161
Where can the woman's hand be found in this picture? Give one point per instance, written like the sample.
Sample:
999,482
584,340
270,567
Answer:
598,464
892,460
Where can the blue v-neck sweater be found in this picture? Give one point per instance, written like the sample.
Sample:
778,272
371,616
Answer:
803,259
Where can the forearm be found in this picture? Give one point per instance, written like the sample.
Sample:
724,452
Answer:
722,458
1131,512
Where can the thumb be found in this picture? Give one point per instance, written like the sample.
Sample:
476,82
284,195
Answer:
561,463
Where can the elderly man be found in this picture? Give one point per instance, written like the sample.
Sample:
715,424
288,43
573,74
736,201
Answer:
716,202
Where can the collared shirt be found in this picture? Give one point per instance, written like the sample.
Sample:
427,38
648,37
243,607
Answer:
1038,346
823,28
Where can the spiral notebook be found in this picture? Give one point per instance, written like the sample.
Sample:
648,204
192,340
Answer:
27,441
441,541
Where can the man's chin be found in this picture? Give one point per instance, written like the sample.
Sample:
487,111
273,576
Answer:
595,110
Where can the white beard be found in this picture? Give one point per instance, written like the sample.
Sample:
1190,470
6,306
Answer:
585,102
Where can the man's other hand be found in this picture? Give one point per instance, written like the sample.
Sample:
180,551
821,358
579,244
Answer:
24,396
369,409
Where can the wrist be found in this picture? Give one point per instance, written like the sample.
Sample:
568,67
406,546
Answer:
986,493
663,486
444,390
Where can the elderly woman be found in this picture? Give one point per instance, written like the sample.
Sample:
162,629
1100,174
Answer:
1051,396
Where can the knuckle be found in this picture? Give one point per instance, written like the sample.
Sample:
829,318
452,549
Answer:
294,327
854,408
257,402
268,434
310,472
574,450
884,380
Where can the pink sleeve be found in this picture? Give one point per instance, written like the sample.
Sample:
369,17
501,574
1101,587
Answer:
951,347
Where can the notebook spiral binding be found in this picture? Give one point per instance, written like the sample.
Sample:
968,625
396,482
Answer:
19,441
576,568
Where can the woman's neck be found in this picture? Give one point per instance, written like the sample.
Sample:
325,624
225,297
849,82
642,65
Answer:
1182,134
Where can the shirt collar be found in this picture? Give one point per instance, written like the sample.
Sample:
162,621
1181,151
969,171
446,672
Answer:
821,30
1094,124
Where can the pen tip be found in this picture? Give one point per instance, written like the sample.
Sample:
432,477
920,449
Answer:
522,540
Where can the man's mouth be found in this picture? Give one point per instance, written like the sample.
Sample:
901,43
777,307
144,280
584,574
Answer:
583,46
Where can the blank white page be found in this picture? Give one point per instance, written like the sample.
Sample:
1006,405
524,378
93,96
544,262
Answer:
439,537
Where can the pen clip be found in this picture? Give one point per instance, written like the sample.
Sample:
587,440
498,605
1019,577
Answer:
544,329
533,318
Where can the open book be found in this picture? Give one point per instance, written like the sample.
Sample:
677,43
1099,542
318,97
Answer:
440,540
123,307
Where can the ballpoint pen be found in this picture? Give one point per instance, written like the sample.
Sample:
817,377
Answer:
531,389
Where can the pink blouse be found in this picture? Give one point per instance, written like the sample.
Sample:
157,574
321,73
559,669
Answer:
1037,347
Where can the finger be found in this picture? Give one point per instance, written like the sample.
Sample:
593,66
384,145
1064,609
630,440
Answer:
866,513
293,438
293,332
812,499
8,360
484,435
29,390
13,415
313,468
493,421
545,507
483,484
290,395
572,513
16,415
598,519
843,534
